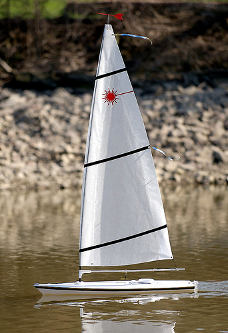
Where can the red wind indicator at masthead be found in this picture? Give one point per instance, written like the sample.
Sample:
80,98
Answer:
118,16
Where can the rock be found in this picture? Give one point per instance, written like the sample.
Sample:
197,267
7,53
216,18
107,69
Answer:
175,177
202,178
226,121
216,157
200,138
220,180
43,135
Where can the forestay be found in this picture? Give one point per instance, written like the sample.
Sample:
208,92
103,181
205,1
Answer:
122,216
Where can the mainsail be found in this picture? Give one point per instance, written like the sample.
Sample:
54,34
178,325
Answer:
122,216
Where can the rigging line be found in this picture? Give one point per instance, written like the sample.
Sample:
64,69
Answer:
171,158
111,73
116,156
123,239
127,92
135,36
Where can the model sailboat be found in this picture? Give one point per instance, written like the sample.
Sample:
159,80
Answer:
122,215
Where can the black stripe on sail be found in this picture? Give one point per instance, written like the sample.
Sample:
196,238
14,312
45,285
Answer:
110,73
116,156
123,239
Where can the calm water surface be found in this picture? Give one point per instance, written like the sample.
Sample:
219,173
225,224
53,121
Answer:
38,243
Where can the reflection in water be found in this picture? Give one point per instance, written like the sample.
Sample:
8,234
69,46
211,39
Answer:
39,240
54,217
127,327
122,321
106,316
36,223
197,208
46,214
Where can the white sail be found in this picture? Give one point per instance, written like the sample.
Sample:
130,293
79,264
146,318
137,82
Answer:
122,216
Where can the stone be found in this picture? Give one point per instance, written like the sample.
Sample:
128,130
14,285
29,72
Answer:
43,135
216,157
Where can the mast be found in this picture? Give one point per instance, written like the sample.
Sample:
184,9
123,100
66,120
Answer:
86,155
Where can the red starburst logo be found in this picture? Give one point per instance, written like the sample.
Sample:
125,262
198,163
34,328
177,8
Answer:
110,96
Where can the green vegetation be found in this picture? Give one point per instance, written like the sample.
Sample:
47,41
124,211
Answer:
53,8
27,9
50,9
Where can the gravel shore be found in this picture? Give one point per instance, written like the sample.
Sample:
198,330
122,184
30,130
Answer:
43,134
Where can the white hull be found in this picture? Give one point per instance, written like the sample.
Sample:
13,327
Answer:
115,288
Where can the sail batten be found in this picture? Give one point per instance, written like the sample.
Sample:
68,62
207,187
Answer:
116,156
122,218
123,239
110,73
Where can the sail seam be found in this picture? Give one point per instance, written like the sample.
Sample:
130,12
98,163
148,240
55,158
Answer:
111,73
123,239
116,156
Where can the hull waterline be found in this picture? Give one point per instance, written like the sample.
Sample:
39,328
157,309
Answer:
115,288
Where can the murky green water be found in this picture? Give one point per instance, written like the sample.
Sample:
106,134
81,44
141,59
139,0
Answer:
38,243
